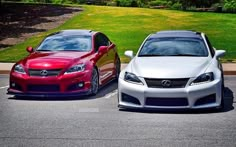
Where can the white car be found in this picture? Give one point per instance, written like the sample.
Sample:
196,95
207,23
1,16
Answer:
173,69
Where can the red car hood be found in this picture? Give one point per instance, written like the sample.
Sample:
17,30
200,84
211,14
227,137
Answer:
52,60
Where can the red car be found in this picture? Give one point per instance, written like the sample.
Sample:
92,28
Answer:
66,63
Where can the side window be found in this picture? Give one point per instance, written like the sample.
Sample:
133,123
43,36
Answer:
101,40
210,46
96,44
105,40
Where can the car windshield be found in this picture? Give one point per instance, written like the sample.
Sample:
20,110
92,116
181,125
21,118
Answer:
66,43
174,47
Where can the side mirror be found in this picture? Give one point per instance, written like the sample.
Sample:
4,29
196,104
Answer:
220,53
30,49
129,53
112,45
102,49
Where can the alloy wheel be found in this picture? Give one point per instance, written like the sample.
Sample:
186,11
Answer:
94,82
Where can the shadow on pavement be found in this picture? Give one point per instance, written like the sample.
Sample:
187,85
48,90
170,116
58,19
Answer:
109,88
228,106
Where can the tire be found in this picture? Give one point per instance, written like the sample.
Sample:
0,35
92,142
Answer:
94,82
117,69
222,103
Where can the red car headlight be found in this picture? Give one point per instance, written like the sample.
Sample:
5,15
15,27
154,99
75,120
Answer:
76,68
19,69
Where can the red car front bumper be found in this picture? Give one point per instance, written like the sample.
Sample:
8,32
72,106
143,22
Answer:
74,84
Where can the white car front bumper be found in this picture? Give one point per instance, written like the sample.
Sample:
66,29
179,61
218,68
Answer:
206,95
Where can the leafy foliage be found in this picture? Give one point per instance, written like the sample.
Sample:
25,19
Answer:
230,5
193,5
176,6
158,3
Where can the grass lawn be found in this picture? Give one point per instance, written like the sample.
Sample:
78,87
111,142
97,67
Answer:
128,27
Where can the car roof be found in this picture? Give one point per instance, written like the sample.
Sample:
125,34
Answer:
176,33
74,32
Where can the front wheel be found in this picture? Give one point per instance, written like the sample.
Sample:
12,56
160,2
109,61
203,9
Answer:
117,68
94,82
222,104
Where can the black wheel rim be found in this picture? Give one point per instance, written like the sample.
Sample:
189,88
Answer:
94,86
117,68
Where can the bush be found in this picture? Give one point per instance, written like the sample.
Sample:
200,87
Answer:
57,1
230,6
192,8
130,3
176,6
158,3
111,3
81,1
124,3
29,1
134,4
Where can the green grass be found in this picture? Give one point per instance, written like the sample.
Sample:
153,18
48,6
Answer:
128,27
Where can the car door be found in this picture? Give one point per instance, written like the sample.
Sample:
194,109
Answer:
111,56
104,62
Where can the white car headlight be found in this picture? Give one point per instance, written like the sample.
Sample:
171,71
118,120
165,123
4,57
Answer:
76,68
203,78
19,68
130,77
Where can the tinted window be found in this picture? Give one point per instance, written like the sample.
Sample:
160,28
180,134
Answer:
101,40
174,47
105,40
210,47
66,43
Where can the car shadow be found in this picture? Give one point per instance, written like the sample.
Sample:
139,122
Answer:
228,106
103,91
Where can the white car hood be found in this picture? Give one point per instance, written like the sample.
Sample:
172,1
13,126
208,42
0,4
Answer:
169,67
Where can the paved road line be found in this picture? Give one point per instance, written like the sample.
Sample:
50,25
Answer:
4,87
111,94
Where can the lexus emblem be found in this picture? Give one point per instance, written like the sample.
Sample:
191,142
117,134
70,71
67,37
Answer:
166,83
43,72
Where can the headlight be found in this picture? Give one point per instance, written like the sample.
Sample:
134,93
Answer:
203,78
19,68
130,77
76,68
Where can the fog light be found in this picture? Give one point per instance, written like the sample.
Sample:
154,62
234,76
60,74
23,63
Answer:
13,84
81,84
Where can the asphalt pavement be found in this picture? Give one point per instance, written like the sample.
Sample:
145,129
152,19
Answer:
96,121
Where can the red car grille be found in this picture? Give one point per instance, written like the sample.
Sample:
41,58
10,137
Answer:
43,73
43,88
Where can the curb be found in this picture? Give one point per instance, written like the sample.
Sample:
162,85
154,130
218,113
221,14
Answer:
5,72
229,72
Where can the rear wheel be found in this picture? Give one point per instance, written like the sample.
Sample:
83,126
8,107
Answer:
94,82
